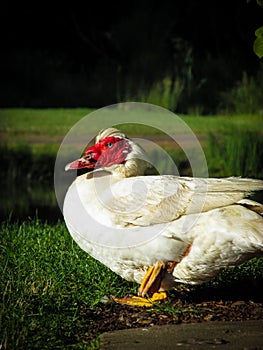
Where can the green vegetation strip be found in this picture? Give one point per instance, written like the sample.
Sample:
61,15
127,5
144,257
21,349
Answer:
57,122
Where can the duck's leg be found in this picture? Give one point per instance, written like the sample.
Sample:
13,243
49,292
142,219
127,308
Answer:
152,279
150,285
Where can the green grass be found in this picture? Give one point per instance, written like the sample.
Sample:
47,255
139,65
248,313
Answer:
57,122
240,154
50,122
47,281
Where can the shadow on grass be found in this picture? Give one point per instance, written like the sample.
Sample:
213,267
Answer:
243,282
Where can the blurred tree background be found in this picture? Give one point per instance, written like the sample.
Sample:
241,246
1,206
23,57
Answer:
188,56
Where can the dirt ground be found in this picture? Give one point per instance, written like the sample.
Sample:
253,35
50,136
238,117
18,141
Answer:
225,306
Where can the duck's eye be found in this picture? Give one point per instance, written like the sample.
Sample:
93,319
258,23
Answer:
109,144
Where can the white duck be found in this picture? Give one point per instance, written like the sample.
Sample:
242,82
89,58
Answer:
158,230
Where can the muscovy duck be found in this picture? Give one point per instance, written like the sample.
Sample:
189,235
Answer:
158,230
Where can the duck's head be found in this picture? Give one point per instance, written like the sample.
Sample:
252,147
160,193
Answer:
113,152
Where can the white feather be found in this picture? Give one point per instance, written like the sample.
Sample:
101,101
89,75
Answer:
167,215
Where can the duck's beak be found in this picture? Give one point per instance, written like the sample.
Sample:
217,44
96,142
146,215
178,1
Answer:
84,162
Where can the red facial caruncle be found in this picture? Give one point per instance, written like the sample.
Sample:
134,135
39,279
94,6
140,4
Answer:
107,152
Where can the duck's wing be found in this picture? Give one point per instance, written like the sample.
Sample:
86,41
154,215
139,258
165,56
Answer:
147,200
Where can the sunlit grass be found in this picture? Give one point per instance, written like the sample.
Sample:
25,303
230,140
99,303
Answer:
47,280
39,122
57,122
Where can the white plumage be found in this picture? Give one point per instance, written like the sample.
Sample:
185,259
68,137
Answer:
193,227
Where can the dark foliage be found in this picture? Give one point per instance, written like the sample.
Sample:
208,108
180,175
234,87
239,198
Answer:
77,56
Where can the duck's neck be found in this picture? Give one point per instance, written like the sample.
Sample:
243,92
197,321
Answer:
132,167
136,163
